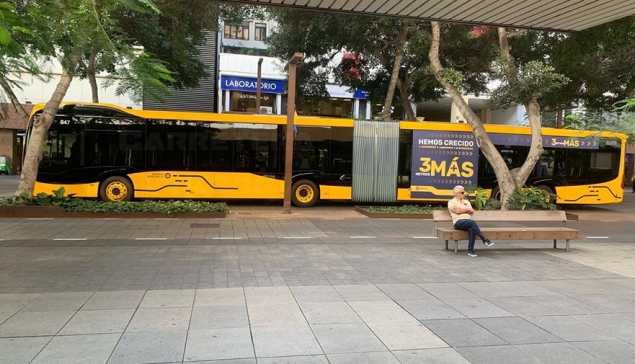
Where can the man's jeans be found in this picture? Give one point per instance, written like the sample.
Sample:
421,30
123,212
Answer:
472,231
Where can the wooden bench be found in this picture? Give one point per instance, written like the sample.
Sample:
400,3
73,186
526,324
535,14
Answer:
554,233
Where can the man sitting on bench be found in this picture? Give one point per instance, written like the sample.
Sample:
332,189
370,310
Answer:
461,211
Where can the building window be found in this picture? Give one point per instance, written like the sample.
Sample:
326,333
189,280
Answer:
237,31
261,32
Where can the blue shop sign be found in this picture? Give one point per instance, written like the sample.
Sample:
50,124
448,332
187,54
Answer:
249,84
361,94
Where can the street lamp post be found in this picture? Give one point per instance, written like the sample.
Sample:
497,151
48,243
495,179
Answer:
288,155
259,81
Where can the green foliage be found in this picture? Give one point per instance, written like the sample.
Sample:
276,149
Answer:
532,80
531,198
406,209
70,204
598,61
620,120
481,199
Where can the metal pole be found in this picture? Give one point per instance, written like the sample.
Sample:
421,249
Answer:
259,80
288,155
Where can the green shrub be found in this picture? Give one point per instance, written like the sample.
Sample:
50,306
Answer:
70,204
406,209
480,199
531,198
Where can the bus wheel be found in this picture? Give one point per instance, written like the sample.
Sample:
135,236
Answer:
115,189
305,193
496,193
545,188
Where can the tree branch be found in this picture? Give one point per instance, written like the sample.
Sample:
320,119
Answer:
17,105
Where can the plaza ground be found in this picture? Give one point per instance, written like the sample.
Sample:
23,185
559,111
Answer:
325,285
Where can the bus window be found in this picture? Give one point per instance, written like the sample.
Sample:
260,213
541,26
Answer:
169,145
114,142
215,147
311,147
255,148
62,149
341,151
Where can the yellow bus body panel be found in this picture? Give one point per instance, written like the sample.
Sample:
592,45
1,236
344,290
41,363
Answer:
89,190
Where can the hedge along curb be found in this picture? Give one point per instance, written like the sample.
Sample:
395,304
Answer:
388,215
56,212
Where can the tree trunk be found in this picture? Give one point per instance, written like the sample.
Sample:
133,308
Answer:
401,45
17,105
533,114
92,75
506,182
403,91
39,131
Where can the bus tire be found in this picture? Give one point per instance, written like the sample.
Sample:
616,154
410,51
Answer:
116,189
496,193
305,193
545,188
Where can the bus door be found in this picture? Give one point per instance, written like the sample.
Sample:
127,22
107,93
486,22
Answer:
376,156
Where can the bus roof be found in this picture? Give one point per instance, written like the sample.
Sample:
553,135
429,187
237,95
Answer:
112,110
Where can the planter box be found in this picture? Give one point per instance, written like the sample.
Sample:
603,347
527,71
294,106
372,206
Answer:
390,215
56,212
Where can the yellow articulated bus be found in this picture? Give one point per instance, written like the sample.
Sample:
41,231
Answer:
117,154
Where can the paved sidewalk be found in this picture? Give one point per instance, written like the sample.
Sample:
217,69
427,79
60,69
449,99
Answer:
476,322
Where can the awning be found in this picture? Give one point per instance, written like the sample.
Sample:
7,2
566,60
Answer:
558,15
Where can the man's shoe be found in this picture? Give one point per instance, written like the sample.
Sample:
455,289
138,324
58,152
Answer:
472,254
487,242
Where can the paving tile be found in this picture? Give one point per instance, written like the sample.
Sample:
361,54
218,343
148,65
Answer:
80,349
567,305
527,288
568,328
58,301
381,312
285,341
218,317
228,361
275,314
4,316
366,358
149,347
430,356
98,322
347,338
523,306
558,353
114,300
227,343
447,290
259,294
609,303
313,359
15,302
35,323
220,297
613,324
316,294
429,309
491,289
515,330
495,355
329,313
18,350
476,307
404,291
160,319
406,336
354,293
168,298
462,332
613,352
